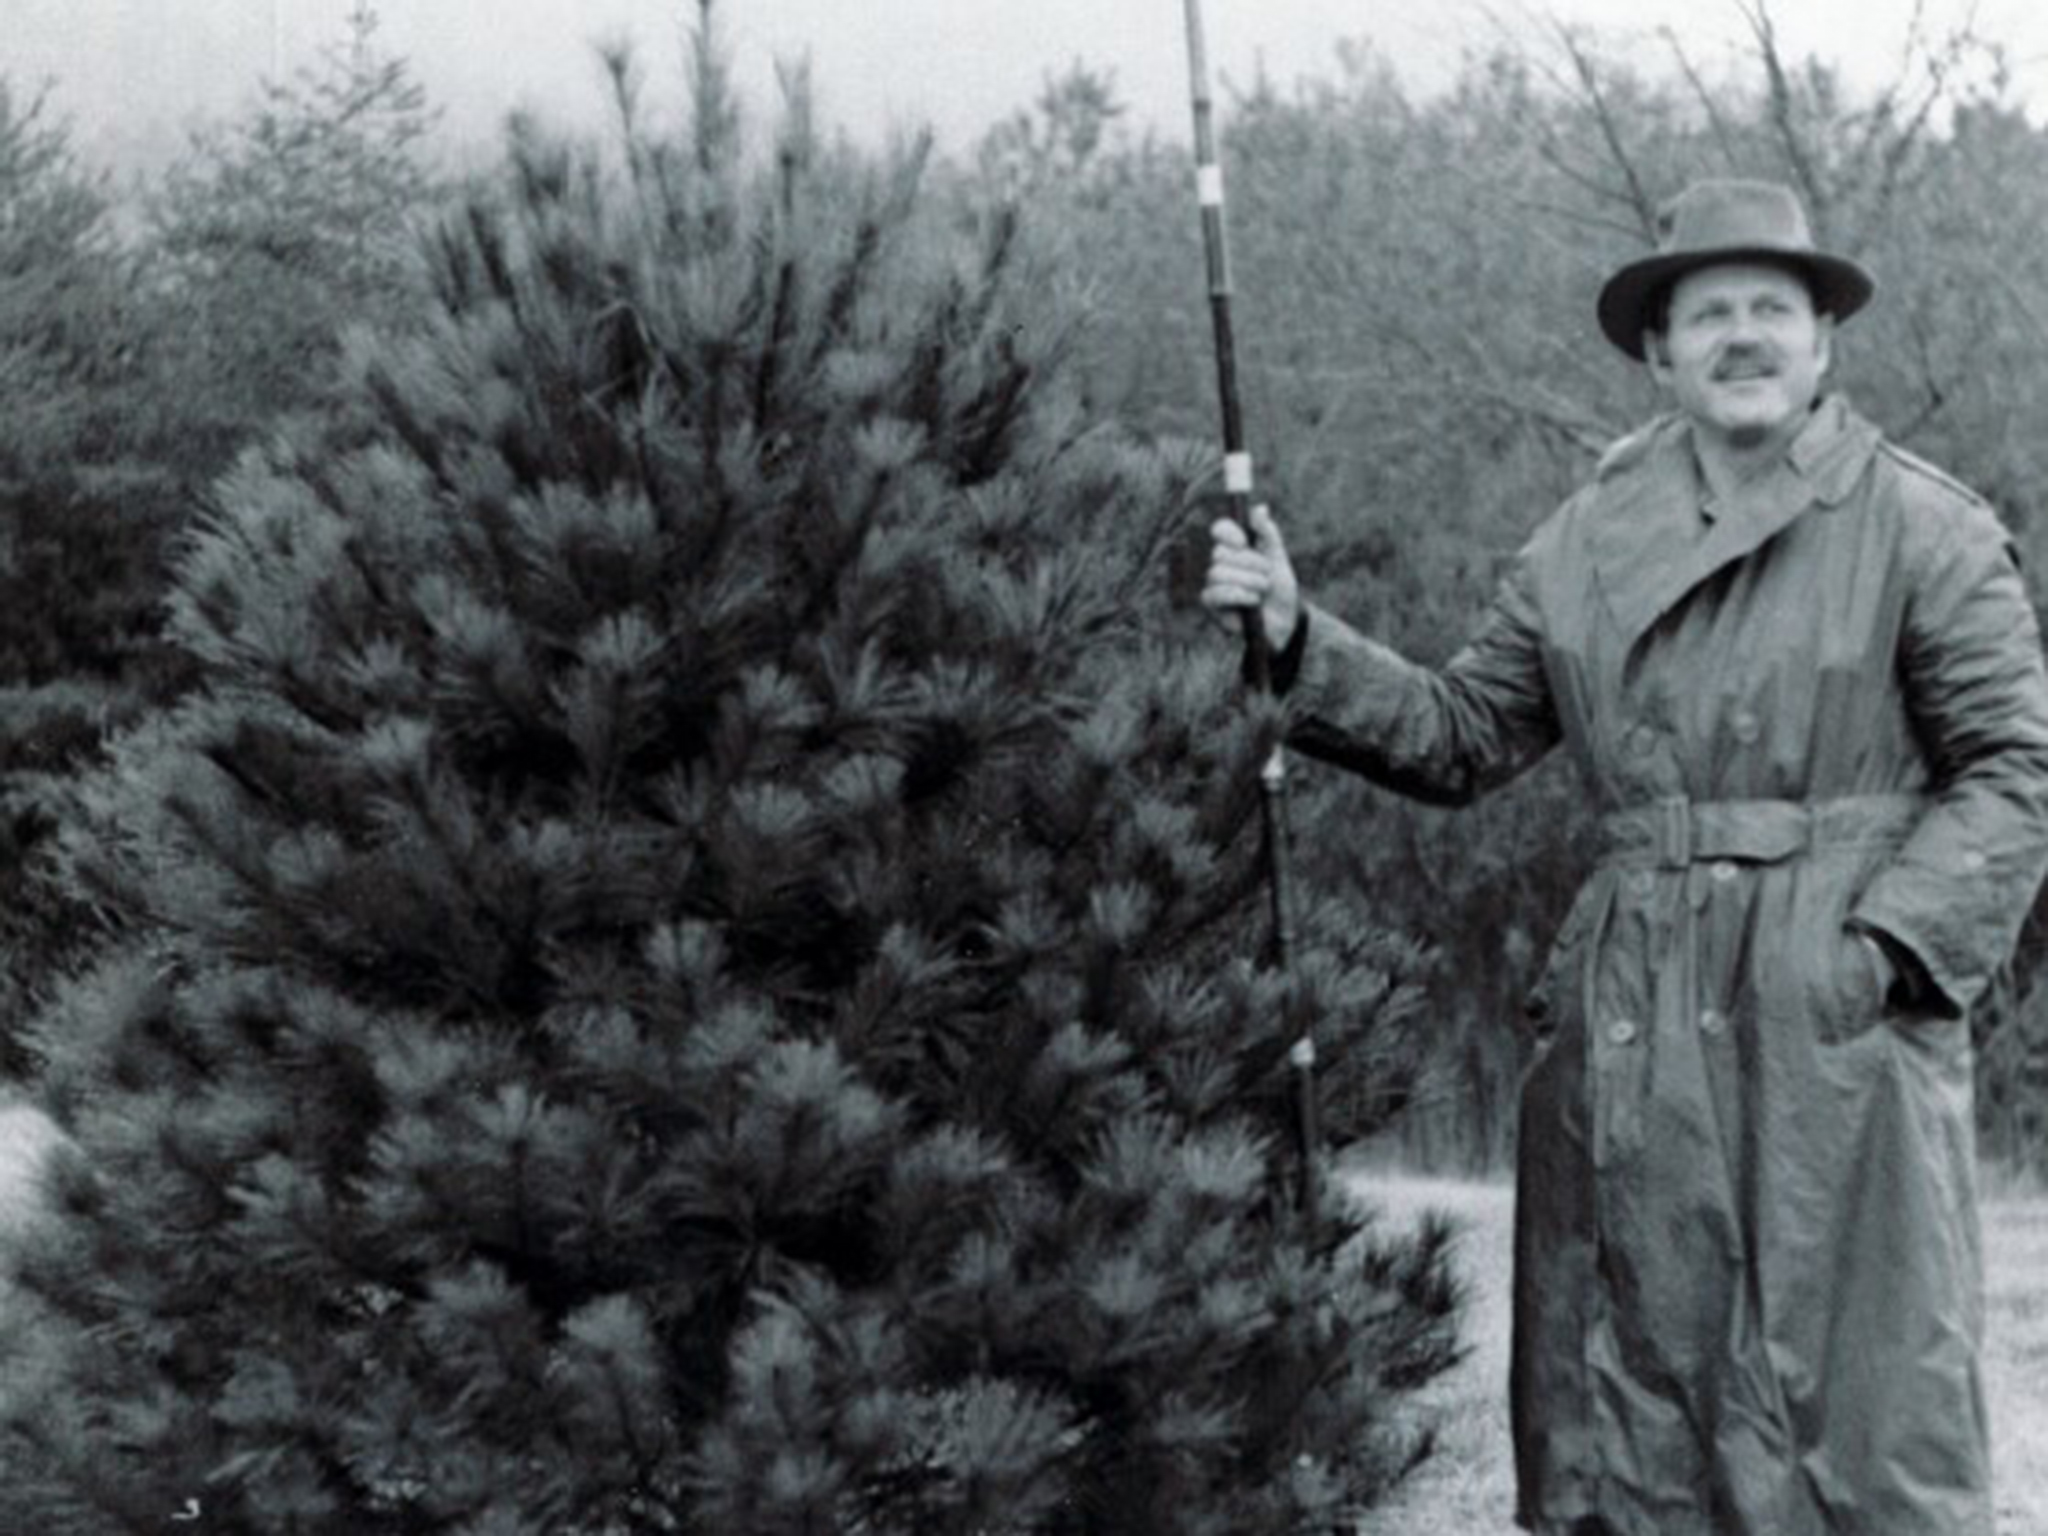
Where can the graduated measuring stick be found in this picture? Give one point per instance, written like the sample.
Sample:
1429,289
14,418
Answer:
1237,488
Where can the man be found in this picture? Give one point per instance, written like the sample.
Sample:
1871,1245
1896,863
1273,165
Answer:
1799,674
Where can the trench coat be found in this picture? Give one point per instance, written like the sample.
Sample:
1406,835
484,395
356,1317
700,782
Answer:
1747,1292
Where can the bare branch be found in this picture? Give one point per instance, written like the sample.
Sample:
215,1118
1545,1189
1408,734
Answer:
1910,121
1716,123
1465,371
1784,113
2020,302
1584,86
1904,142
1575,216
1639,198
1937,395
1584,431
1554,156
1478,377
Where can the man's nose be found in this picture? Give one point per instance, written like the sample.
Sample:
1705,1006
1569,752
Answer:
1742,330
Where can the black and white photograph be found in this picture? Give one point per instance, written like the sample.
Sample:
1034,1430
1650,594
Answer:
1082,768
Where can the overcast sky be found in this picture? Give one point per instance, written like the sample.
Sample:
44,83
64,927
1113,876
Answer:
132,74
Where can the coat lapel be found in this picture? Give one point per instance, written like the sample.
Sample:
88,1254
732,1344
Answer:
1649,548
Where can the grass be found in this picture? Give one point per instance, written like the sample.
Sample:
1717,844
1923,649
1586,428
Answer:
1467,1489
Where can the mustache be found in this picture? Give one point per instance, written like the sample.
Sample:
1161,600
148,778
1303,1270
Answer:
1748,358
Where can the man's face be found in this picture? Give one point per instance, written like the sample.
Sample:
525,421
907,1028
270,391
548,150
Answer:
1743,351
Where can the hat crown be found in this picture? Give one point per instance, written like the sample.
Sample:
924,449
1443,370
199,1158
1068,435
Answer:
1726,220
1727,214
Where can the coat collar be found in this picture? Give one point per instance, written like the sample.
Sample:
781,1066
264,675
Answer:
1648,546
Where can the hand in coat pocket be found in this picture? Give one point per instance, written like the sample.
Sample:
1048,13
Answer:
1857,992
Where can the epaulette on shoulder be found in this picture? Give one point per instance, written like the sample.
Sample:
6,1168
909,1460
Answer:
1913,464
1625,453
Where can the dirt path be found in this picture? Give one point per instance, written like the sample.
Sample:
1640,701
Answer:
25,1136
1468,1488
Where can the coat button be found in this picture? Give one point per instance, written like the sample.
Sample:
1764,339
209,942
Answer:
1973,861
1712,1022
1622,1031
1722,870
1642,884
1746,726
1642,740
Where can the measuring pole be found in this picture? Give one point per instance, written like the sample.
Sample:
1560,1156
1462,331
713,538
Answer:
1237,488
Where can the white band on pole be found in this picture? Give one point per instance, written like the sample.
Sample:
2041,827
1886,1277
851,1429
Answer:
1237,473
1209,185
1304,1052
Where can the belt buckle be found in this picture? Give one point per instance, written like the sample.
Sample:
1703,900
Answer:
1674,832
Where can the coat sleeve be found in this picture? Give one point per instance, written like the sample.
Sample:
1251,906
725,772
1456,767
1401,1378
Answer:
1971,667
1439,736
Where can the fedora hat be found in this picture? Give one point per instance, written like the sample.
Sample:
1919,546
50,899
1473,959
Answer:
1726,220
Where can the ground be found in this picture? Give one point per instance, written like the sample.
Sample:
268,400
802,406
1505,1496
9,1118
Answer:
1468,1488
25,1135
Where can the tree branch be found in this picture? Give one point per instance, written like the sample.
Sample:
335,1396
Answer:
2021,302
1638,196
1575,216
1937,394
1716,123
1783,113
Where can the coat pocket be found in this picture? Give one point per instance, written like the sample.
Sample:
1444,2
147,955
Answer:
1851,983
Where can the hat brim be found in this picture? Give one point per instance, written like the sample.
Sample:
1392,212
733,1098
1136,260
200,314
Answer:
1840,286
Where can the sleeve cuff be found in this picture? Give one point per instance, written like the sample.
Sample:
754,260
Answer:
1284,665
1913,987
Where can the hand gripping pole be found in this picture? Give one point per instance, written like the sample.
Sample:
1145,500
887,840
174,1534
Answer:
1237,487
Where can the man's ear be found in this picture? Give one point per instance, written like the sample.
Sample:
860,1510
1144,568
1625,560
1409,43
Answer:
1657,355
1824,341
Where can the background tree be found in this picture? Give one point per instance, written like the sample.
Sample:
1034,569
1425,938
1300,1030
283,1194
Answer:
133,364
281,229
1059,139
1425,382
82,516
683,967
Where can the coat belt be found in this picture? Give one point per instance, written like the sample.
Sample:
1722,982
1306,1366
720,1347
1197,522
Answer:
1679,835
1676,832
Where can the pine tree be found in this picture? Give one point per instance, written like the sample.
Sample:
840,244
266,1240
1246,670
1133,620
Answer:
84,513
281,228
130,372
688,965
